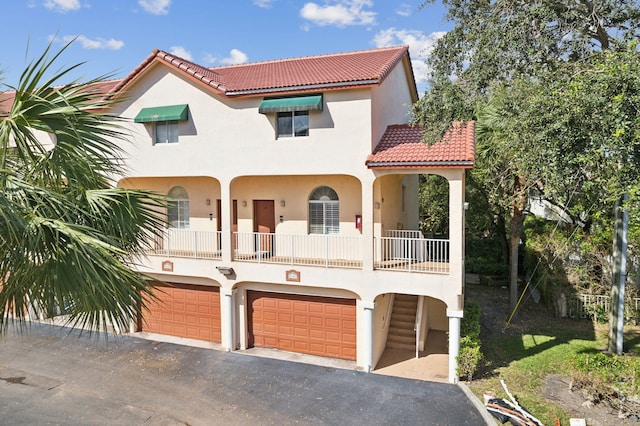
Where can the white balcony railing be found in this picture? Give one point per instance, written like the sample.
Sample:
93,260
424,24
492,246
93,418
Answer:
330,251
337,251
174,242
412,254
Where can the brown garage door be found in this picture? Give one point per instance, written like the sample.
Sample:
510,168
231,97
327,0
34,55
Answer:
308,324
185,311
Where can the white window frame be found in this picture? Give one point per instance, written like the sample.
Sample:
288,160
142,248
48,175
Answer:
166,127
324,211
292,132
178,208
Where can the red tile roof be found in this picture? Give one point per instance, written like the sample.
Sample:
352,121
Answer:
401,146
101,88
310,73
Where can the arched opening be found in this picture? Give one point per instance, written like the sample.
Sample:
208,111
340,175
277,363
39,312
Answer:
324,211
178,208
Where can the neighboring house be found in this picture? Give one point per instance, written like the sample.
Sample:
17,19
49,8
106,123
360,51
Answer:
293,213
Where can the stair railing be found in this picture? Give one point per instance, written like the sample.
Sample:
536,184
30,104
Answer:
418,324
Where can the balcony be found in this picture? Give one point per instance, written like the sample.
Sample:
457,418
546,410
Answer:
404,251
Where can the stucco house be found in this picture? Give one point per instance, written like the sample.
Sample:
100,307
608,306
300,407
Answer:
293,214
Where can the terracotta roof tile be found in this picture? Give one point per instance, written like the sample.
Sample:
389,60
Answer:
101,88
401,146
362,67
367,67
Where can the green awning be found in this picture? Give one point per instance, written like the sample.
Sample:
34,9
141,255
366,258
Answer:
163,113
297,103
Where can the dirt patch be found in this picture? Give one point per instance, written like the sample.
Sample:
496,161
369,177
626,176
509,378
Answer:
559,390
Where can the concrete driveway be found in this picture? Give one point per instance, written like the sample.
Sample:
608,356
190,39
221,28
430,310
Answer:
51,375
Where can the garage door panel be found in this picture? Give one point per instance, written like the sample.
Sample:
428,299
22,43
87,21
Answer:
306,324
185,311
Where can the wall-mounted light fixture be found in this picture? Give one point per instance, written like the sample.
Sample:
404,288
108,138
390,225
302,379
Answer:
376,205
208,201
210,216
244,203
282,203
465,205
225,270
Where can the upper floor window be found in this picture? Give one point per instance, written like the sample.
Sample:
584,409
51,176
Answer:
293,124
292,113
178,208
165,132
166,121
324,211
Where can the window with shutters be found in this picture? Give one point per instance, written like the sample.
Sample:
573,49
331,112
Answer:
178,208
324,211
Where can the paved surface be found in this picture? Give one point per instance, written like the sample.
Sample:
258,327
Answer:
51,375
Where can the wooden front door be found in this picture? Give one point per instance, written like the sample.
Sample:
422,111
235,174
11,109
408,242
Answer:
264,222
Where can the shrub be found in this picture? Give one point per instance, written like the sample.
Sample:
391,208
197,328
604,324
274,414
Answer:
470,354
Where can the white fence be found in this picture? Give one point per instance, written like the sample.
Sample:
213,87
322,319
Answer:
315,250
596,307
187,243
403,251
412,254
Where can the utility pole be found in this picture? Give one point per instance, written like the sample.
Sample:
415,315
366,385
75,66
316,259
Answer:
616,311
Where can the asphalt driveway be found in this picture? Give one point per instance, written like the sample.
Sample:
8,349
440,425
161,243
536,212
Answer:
51,375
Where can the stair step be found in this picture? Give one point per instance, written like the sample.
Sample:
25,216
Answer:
394,345
409,318
406,297
404,325
401,339
395,331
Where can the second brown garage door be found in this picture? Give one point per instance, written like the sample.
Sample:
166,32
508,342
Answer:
313,325
184,310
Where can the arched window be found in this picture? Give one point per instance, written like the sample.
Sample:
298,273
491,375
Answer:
324,211
178,208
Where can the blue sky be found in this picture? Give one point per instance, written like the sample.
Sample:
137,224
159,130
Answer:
114,36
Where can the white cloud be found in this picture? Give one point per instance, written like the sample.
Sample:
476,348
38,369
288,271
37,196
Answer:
341,13
265,4
87,43
181,52
235,57
420,46
404,10
62,5
209,59
155,7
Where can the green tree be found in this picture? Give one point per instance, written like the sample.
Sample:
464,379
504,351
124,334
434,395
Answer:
69,239
491,60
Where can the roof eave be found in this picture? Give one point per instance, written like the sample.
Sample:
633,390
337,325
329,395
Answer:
464,164
289,89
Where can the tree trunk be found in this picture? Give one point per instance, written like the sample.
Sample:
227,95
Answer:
616,312
515,232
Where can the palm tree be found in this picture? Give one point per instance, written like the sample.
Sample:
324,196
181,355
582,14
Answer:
68,237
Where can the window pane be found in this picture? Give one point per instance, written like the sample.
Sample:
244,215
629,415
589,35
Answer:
316,218
172,131
161,132
301,123
285,124
332,217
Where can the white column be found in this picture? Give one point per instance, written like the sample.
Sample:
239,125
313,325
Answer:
367,223
454,343
366,351
226,308
226,206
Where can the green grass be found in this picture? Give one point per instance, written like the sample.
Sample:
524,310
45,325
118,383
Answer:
525,354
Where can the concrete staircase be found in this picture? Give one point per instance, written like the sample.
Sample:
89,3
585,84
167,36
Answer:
403,318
